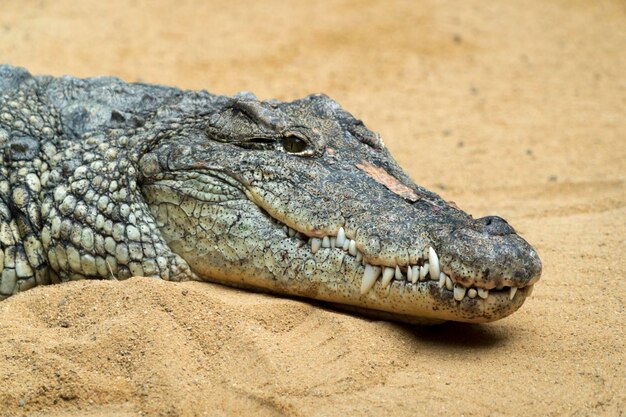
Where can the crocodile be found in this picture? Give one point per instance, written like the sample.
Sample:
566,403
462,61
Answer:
103,179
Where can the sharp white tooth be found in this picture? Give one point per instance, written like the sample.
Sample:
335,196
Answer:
359,256
333,242
529,290
285,229
442,280
409,273
433,260
352,248
399,276
326,242
483,293
316,244
387,276
416,273
420,273
346,244
369,278
292,232
471,293
424,271
341,237
448,283
459,291
512,292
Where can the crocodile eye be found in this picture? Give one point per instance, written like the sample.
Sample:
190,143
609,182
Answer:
293,144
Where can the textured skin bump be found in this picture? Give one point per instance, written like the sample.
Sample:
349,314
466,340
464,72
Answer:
105,179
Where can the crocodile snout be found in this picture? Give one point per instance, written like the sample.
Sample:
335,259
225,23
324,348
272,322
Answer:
494,226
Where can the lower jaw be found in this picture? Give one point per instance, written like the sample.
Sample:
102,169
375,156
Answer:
425,300
285,264
419,303
426,303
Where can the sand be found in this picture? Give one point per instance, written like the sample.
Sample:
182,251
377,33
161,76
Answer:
513,108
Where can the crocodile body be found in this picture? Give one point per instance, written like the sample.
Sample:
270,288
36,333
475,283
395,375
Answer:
105,179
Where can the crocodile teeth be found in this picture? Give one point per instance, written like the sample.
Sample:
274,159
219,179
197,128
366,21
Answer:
341,237
423,272
459,291
387,276
316,244
431,268
399,276
291,232
433,260
352,248
442,280
529,291
369,278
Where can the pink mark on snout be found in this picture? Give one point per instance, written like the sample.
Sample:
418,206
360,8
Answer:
383,177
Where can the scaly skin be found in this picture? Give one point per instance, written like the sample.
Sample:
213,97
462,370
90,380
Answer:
104,179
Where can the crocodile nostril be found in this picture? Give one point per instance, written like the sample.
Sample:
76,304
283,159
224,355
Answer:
495,225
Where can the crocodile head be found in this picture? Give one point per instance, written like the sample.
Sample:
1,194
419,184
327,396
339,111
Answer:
302,199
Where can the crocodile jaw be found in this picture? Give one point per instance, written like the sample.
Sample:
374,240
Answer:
332,274
239,243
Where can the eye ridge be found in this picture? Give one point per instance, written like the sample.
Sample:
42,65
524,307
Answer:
293,144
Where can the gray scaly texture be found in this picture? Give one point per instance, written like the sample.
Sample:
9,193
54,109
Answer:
105,179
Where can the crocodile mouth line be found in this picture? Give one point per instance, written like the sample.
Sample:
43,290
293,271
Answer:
427,271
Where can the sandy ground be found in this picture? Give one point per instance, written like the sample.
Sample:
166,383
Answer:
515,108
